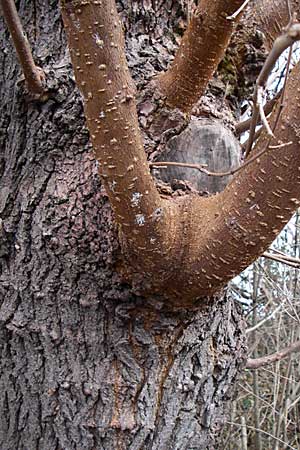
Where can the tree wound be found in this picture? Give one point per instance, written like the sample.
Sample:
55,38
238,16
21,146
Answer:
202,142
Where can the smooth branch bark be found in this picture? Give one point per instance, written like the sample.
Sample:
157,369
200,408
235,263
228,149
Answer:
201,49
198,243
272,16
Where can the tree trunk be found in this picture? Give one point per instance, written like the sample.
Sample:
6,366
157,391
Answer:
86,363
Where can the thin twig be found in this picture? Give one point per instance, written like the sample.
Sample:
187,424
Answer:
270,316
164,164
291,35
263,432
241,127
284,144
262,113
254,120
285,259
244,433
256,136
238,11
283,91
269,359
201,168
34,76
257,277
289,9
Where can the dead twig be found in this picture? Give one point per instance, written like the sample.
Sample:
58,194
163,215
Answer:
285,259
241,127
34,76
260,94
263,432
291,35
269,359
201,168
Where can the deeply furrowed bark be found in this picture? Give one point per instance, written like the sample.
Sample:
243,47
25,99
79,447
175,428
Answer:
205,241
84,363
202,48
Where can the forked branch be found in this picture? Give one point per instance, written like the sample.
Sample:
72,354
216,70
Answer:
243,126
191,246
34,76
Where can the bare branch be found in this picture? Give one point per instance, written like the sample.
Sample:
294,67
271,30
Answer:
285,259
291,35
270,316
289,9
241,127
269,359
262,113
202,48
34,76
201,167
286,445
286,40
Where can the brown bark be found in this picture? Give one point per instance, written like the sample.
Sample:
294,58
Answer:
202,48
84,362
97,50
205,241
35,77
271,16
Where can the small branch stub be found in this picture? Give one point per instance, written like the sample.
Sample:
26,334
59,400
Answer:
34,76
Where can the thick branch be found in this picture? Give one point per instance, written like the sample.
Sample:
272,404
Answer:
269,359
96,44
34,76
199,54
190,247
230,230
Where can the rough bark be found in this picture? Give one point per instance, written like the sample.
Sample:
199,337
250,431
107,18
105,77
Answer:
85,363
